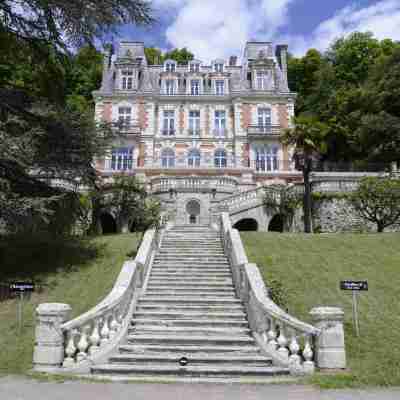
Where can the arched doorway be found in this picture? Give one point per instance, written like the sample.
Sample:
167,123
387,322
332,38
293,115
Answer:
108,224
276,223
246,225
193,211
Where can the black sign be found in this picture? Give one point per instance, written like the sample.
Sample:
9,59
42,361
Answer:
354,285
183,361
22,287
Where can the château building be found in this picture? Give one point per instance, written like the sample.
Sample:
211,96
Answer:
198,133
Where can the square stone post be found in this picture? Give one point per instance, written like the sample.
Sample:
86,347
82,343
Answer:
48,354
330,352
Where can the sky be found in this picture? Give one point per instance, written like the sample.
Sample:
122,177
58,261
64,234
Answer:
220,28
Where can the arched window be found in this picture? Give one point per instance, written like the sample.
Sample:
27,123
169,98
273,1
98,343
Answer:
168,158
220,160
267,158
194,158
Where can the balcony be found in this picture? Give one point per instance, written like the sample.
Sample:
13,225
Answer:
193,184
220,132
127,129
194,132
168,132
184,92
271,165
264,131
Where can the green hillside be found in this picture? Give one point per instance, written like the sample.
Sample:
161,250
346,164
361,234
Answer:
310,268
79,273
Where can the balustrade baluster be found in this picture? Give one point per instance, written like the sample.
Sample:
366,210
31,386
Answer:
105,331
282,342
113,325
83,345
95,338
70,350
308,354
272,343
294,348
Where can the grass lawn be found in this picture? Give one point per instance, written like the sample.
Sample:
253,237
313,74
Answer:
310,268
79,273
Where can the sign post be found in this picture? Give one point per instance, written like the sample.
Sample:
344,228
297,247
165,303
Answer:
21,288
355,287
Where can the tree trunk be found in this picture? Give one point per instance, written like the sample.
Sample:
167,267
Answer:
380,228
307,194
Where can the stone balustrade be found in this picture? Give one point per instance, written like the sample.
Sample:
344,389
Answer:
192,184
89,338
289,341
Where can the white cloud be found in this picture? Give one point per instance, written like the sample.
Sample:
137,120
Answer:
213,29
382,19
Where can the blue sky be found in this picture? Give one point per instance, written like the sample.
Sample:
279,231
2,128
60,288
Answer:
219,28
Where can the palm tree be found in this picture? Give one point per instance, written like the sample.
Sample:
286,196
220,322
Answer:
308,138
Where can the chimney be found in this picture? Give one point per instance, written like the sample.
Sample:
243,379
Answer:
107,61
233,61
281,54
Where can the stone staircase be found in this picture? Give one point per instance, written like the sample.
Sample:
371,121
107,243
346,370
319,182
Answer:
190,310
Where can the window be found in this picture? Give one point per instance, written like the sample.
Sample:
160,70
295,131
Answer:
168,158
124,116
219,88
127,79
220,159
169,123
122,159
195,87
169,87
220,123
170,67
267,159
264,119
194,158
219,67
194,123
194,67
261,80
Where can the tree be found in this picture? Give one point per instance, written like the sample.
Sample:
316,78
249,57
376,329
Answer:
308,137
181,56
377,200
43,132
153,55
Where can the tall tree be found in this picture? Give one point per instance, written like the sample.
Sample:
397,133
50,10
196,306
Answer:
309,139
181,56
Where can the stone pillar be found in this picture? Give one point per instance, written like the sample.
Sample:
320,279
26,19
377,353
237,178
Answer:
49,343
330,352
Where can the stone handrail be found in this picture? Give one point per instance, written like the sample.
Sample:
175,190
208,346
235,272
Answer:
286,339
89,338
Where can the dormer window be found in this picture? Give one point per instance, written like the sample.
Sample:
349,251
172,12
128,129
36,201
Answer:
219,67
194,67
127,79
170,67
261,80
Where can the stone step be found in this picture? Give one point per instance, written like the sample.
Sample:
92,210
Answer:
168,273
206,273
205,323
192,263
189,307
215,339
189,283
190,300
195,359
193,371
194,258
178,331
188,349
187,287
191,292
197,315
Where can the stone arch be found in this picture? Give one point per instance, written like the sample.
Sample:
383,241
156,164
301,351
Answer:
193,210
246,225
277,223
108,223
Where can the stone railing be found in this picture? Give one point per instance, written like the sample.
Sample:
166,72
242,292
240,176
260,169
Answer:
243,199
289,341
163,185
75,345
